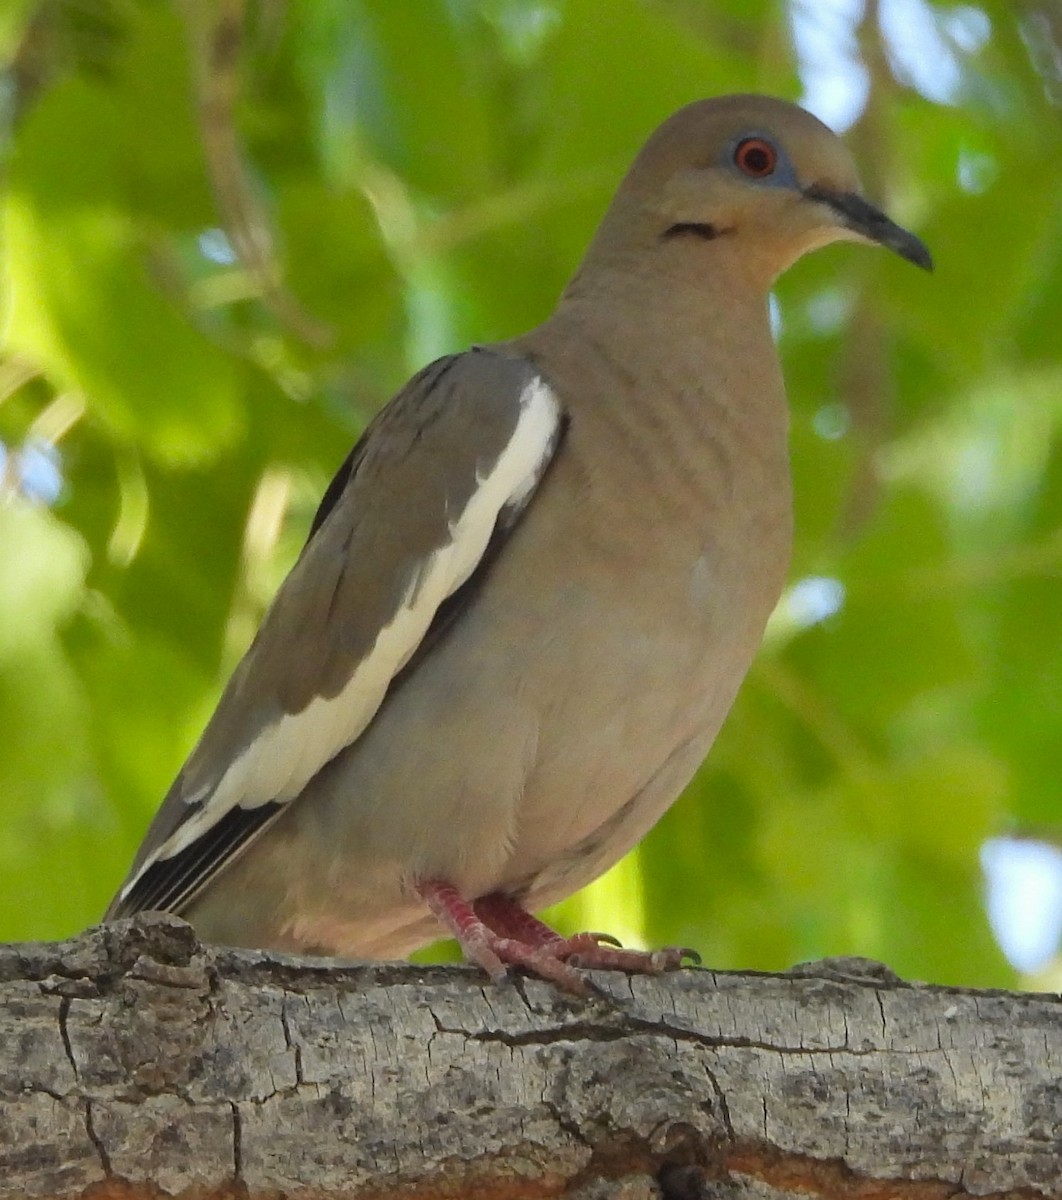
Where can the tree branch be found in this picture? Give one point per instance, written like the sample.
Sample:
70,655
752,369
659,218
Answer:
135,1062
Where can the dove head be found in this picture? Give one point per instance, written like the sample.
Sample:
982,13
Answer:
758,179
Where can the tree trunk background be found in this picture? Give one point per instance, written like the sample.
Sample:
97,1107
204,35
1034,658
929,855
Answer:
135,1062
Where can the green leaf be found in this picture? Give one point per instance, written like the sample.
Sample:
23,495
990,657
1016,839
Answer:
82,270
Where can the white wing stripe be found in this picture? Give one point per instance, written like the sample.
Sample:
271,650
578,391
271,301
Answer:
286,755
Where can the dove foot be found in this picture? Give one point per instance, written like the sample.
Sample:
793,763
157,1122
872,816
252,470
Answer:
494,932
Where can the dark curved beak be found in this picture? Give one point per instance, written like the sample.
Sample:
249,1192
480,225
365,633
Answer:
873,224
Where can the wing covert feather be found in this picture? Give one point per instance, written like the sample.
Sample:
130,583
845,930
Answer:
436,481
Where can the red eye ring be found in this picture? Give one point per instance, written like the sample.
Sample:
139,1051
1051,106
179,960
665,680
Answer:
755,157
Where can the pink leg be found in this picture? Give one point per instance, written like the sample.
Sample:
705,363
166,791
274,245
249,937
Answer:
495,932
504,915
490,950
507,917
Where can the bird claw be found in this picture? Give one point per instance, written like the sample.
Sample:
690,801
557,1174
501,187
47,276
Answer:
541,963
495,933
604,939
677,956
589,953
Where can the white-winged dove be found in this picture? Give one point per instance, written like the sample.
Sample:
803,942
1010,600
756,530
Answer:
531,592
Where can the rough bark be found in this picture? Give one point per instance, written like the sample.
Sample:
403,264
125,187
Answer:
135,1062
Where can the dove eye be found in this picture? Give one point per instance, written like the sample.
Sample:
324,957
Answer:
755,157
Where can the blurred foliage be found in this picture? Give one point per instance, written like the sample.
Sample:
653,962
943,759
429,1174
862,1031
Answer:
230,230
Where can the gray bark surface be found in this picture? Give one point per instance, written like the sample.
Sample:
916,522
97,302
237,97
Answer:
136,1062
